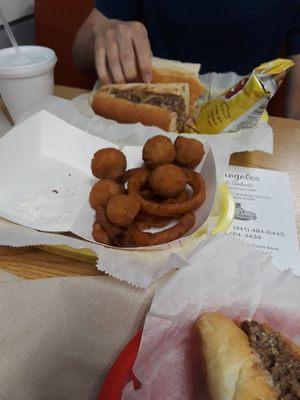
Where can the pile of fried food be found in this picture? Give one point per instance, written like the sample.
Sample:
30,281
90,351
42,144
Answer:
166,188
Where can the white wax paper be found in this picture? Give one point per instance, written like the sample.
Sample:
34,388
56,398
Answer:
79,113
137,268
228,276
216,83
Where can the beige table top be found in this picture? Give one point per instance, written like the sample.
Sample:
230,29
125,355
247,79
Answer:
31,262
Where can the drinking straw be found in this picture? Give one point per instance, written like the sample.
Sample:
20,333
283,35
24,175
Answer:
10,33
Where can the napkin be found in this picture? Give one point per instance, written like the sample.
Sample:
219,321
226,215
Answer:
60,336
228,276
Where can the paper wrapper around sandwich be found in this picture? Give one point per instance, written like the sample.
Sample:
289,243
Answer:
45,174
227,276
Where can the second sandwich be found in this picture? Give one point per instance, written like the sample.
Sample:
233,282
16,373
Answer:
165,105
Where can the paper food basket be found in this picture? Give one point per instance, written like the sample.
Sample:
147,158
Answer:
219,221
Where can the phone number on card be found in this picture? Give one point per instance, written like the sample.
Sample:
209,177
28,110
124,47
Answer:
255,233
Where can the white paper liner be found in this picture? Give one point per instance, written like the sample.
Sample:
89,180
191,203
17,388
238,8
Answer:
228,276
79,113
140,269
216,83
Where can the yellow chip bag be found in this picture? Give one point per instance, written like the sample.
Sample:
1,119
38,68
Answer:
242,105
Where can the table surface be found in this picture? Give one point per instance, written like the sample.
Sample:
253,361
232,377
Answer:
31,262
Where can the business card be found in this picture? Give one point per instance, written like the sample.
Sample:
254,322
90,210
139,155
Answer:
264,215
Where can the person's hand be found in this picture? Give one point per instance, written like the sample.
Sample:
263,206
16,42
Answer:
123,53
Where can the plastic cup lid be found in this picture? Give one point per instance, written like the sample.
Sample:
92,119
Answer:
34,59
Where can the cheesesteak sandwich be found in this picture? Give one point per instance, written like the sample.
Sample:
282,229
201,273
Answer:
167,71
248,361
163,105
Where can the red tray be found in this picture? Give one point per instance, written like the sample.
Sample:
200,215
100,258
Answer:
121,371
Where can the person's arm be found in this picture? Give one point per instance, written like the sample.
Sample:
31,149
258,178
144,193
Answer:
119,50
292,102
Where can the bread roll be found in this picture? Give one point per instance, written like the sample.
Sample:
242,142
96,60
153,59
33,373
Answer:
234,371
166,71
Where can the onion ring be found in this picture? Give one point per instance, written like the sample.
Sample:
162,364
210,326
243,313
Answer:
146,221
128,174
146,194
115,233
99,234
195,180
183,196
136,237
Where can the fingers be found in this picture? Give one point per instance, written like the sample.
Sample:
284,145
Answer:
107,59
127,54
144,54
123,54
113,57
101,65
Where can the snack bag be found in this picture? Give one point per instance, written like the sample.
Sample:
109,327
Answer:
242,105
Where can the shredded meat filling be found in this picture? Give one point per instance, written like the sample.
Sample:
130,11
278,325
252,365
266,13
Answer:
172,102
277,358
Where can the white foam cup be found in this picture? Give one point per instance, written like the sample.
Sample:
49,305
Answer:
27,79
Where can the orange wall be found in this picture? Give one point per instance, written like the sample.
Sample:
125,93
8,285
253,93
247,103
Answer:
57,22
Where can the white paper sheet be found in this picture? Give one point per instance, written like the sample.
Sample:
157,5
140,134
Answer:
229,276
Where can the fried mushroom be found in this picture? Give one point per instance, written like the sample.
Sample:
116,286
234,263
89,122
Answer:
189,152
108,163
168,180
102,191
157,151
122,209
